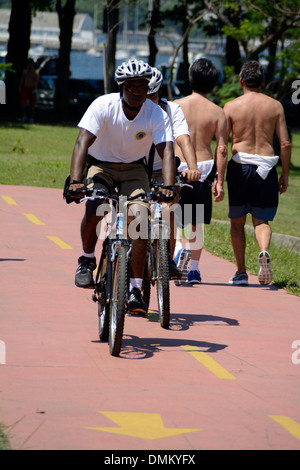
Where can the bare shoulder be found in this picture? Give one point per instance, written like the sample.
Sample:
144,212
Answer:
230,105
182,101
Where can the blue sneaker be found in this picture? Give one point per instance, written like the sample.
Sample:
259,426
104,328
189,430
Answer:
194,277
176,259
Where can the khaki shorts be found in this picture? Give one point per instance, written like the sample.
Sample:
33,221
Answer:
130,178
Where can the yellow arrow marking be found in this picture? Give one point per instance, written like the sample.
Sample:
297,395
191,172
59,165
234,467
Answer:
32,218
60,243
143,425
289,424
209,363
9,200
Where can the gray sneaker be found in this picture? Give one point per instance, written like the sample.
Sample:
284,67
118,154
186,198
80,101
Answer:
265,275
182,259
239,279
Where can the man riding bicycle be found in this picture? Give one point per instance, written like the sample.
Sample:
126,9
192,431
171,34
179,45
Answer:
116,132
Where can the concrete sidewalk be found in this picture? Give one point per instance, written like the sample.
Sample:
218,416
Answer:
226,375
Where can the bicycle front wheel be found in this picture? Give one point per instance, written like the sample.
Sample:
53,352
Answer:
163,286
118,301
101,289
146,285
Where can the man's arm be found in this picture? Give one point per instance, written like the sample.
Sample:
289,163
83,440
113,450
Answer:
166,153
188,152
221,156
84,140
285,151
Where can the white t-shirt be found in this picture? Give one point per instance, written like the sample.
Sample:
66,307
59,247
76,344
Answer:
179,127
120,139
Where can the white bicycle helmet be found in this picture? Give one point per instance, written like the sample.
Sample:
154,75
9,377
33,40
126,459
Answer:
133,69
156,81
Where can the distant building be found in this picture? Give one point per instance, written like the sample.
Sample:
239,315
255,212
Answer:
45,30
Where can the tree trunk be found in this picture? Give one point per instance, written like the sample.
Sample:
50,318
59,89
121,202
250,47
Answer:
17,52
66,15
185,53
233,55
154,21
112,20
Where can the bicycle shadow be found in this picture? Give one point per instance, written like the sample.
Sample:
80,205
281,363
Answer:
12,259
136,348
226,284
184,321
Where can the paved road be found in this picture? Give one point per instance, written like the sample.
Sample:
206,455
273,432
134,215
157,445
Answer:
224,376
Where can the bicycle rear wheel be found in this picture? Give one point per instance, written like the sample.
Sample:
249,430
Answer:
118,301
163,286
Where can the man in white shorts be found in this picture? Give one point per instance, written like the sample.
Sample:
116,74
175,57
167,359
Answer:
251,174
117,131
182,138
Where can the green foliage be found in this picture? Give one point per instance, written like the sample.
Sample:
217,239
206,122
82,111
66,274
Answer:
246,30
289,59
231,87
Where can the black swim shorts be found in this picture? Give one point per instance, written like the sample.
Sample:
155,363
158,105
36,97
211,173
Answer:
249,193
196,203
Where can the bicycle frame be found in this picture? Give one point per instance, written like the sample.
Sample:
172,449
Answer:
112,278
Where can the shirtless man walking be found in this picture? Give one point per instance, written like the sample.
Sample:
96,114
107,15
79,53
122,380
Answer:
205,120
251,176
28,88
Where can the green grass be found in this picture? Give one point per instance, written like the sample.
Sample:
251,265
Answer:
36,155
4,441
285,262
39,155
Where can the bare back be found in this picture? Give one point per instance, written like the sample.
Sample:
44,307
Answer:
252,118
30,78
205,120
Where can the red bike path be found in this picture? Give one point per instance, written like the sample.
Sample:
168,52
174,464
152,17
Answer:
225,376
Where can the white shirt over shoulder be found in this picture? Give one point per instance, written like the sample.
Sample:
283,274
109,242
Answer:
179,127
119,139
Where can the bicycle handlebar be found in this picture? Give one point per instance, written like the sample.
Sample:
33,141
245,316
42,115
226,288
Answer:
100,193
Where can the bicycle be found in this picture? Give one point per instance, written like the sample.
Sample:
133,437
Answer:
112,278
158,262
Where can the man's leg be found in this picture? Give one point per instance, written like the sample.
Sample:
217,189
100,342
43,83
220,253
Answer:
238,241
196,245
89,237
138,233
263,234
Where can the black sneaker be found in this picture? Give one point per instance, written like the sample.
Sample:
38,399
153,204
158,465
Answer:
84,272
136,302
175,272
